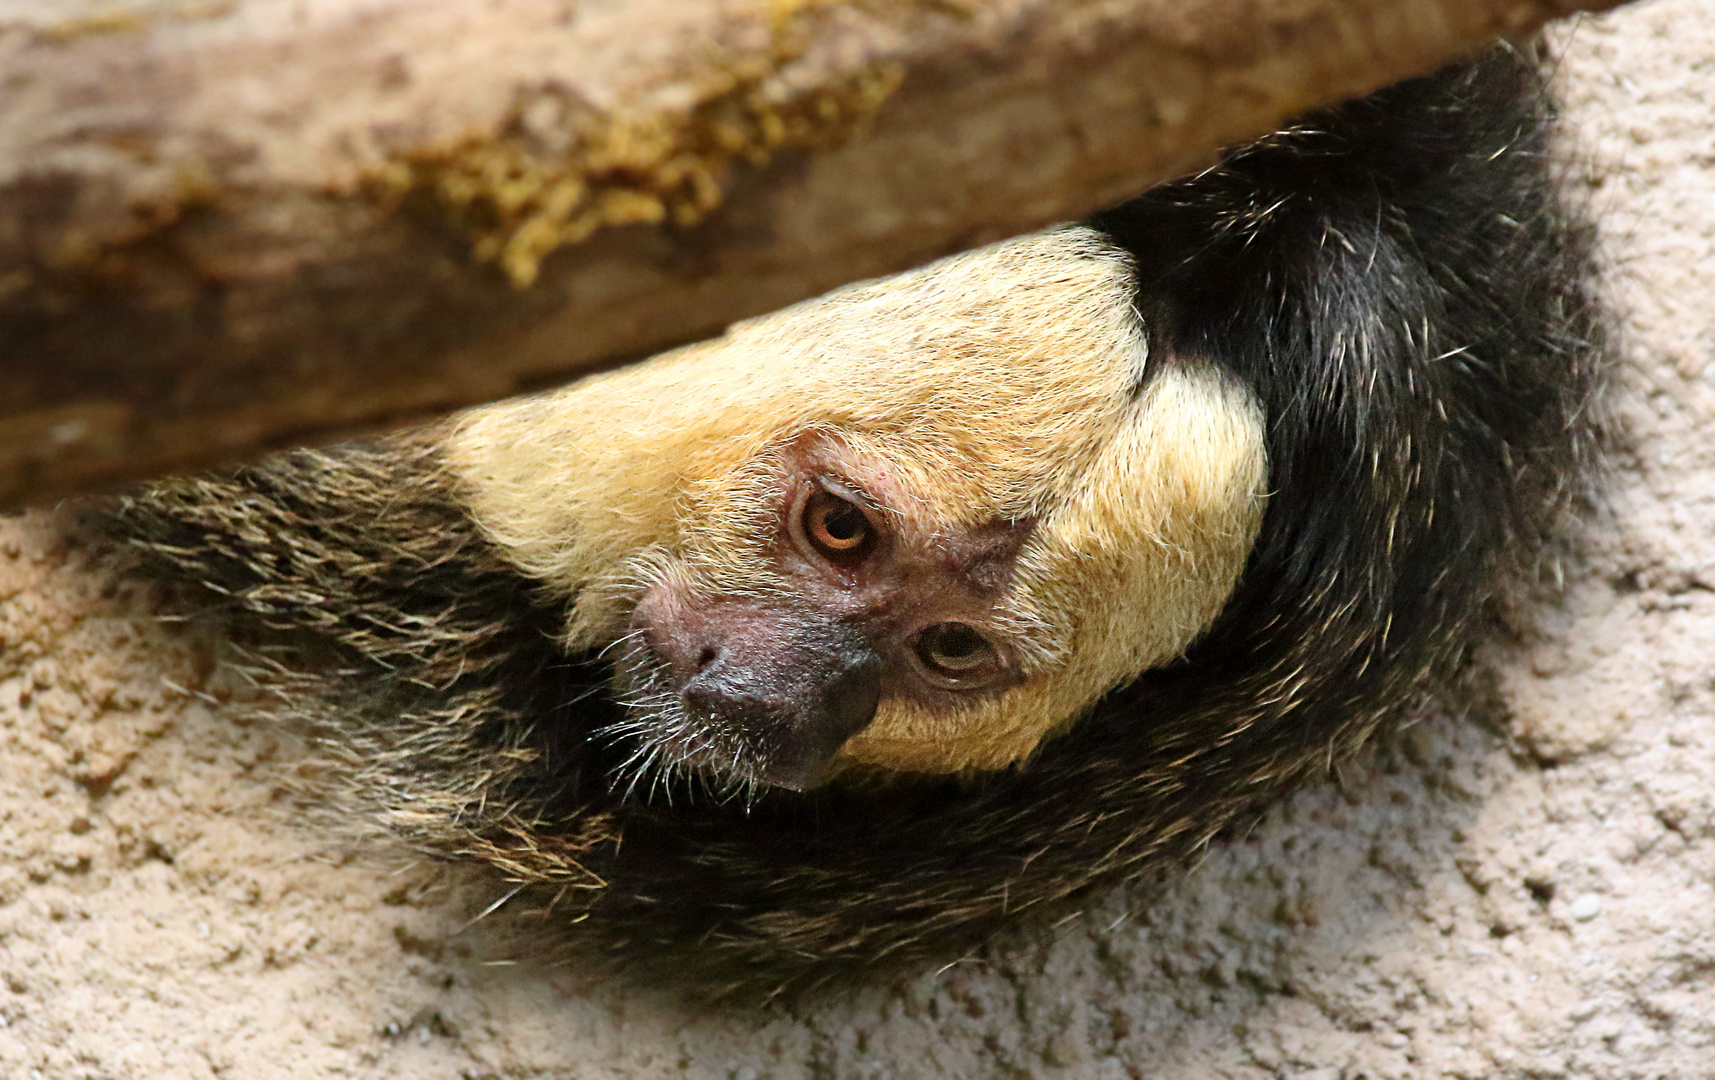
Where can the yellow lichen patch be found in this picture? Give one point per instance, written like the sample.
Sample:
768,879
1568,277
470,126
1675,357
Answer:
556,170
105,22
131,19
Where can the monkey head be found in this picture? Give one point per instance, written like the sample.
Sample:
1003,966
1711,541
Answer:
918,524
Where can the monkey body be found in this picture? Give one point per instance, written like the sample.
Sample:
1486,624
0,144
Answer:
878,622
1004,402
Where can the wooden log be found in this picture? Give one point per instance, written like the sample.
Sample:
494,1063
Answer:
235,224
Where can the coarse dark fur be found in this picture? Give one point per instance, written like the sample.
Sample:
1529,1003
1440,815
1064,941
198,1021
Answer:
1398,280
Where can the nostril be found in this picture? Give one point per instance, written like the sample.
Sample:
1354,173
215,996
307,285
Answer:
706,657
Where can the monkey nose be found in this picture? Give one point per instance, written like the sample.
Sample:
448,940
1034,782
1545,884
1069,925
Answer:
791,733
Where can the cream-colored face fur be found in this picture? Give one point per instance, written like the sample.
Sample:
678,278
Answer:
1003,384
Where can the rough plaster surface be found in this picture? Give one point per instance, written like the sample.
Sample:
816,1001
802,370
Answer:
1536,902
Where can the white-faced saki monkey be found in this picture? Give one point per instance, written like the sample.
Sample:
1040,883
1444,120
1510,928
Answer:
880,621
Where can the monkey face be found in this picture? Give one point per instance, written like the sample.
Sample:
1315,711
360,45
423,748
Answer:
825,538
852,597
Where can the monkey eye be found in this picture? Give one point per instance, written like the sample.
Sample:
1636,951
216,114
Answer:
837,529
956,655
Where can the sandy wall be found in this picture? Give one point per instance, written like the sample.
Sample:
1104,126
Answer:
1533,898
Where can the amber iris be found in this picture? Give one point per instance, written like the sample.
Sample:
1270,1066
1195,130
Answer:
838,529
956,654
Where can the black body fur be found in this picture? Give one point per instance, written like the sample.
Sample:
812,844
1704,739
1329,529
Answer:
1398,280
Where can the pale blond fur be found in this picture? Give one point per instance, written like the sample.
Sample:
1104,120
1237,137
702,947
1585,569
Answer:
998,384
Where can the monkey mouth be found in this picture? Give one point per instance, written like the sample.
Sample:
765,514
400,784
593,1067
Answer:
711,733
669,748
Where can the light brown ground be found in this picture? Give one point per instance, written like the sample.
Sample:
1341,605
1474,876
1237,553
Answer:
1541,905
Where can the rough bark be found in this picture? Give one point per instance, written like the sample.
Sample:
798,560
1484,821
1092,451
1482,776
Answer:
230,225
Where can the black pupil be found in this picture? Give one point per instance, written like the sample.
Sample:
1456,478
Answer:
843,522
957,646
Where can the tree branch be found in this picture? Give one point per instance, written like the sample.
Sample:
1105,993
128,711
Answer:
233,225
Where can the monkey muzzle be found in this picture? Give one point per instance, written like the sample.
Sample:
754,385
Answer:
760,694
